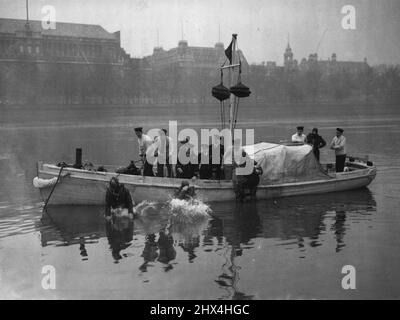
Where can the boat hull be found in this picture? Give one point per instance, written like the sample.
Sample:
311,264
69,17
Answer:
82,187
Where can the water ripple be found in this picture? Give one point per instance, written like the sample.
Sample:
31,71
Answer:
16,219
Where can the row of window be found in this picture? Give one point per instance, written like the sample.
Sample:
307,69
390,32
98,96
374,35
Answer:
72,49
29,49
56,49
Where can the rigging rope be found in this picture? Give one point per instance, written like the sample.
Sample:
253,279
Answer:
51,192
222,115
222,103
236,113
236,105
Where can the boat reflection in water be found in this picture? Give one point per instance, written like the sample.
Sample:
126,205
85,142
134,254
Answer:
296,221
234,231
69,225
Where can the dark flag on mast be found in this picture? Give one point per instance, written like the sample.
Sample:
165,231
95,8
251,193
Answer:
228,51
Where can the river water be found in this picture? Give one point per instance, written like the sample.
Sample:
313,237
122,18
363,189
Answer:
292,248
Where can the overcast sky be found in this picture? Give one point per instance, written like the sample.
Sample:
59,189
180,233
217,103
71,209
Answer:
263,26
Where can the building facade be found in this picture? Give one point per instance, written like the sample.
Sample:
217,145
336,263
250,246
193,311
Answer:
192,58
73,63
332,65
186,74
68,42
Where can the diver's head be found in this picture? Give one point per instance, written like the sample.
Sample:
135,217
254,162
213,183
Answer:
139,132
184,183
114,184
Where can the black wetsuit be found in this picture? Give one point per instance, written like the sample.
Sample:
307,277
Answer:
249,182
122,198
216,167
317,143
205,166
187,194
188,169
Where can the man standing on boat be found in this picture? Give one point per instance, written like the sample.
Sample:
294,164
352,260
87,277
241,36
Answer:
299,136
187,160
217,151
316,141
164,151
339,145
144,142
204,169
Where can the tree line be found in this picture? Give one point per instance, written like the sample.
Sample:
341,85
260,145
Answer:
380,83
28,82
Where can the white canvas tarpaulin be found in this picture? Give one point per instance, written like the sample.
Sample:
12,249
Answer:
281,163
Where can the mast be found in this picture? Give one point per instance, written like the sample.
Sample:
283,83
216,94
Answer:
27,11
27,15
181,29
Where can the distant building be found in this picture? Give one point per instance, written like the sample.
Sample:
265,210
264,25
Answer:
191,58
186,74
289,63
68,42
73,63
271,67
332,65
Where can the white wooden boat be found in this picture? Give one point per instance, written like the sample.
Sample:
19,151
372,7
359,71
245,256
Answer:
82,187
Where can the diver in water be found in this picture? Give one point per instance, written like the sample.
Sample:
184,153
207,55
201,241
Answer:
248,182
185,192
117,197
253,180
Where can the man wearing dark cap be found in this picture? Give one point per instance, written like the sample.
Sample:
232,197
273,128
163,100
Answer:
339,145
144,142
299,136
316,141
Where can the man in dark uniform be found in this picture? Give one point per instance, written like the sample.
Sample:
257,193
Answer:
187,170
204,170
316,141
216,156
117,196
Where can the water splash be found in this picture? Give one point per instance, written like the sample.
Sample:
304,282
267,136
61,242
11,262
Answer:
189,211
183,218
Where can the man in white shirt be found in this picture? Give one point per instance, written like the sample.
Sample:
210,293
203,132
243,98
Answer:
144,142
299,136
339,145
